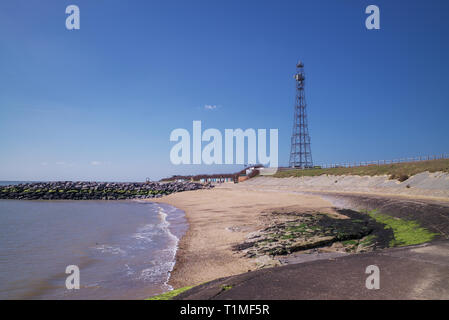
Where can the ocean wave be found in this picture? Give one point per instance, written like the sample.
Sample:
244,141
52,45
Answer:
167,255
110,249
129,270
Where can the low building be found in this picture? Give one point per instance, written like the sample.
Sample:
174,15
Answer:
240,176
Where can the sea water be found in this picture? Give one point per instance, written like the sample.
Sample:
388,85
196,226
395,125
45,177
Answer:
124,249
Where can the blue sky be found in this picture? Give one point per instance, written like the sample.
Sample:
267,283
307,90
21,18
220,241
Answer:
99,103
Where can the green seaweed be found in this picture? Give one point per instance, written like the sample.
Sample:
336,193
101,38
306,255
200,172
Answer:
226,287
368,240
406,232
350,242
170,294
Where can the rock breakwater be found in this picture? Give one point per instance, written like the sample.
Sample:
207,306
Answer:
69,190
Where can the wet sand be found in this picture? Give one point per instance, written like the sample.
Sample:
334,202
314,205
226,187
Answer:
220,218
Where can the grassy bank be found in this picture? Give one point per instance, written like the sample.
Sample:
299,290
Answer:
400,171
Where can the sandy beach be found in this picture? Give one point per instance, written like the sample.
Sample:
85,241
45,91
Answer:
220,218
227,215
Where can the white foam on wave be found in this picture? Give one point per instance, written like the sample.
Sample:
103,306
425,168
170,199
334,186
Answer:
167,255
146,233
110,249
129,270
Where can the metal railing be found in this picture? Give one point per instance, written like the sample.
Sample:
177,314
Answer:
353,164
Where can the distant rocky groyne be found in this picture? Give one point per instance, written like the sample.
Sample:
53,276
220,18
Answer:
68,190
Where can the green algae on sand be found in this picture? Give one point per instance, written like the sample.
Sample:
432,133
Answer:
170,294
406,232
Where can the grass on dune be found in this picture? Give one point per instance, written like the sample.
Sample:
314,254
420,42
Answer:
395,171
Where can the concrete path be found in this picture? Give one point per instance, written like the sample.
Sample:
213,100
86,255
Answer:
415,272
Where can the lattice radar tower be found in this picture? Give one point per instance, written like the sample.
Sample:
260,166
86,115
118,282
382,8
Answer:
300,152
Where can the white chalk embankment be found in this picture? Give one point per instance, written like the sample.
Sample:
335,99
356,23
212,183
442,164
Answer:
425,184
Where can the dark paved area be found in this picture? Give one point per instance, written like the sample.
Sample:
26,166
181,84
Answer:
431,214
415,272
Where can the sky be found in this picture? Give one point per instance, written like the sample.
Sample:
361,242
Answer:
99,103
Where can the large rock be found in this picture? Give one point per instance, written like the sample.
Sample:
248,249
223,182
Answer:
94,190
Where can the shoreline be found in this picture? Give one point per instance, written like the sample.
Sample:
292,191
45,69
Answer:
173,236
227,215
174,231
219,219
